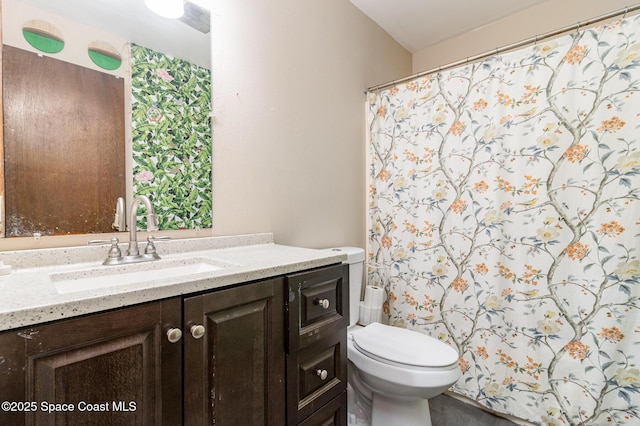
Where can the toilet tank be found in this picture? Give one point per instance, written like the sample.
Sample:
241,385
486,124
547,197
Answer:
355,259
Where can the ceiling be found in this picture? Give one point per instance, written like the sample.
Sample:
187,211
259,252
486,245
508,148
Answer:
418,24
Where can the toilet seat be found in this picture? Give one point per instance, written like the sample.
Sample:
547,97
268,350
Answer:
403,348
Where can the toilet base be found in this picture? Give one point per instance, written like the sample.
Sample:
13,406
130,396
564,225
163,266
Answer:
387,411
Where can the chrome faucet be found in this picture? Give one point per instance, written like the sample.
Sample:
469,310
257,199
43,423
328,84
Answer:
152,223
133,253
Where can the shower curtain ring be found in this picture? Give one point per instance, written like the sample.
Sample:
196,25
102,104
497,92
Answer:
626,9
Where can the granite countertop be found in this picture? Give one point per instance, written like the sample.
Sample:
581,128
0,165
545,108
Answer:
28,295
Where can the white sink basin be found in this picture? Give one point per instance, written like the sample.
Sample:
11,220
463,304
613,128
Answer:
112,276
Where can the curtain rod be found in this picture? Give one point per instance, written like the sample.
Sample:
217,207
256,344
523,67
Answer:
516,45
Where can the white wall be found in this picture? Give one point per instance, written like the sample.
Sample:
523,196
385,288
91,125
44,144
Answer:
540,19
289,132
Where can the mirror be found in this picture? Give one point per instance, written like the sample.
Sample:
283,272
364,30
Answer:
167,93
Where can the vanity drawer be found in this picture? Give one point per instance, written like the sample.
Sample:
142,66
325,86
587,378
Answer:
317,305
319,302
315,376
332,414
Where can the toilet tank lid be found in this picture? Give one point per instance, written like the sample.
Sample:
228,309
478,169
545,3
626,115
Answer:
403,346
354,254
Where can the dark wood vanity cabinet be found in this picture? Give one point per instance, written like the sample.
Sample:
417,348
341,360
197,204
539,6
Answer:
234,371
113,368
317,310
236,356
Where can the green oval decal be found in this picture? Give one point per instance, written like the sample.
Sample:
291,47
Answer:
105,60
43,41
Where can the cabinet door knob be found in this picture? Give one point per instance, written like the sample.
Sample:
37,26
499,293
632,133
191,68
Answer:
322,374
174,335
197,331
322,302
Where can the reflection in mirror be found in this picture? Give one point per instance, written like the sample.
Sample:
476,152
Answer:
163,68
171,111
63,145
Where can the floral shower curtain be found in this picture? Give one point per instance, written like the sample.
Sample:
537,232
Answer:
505,217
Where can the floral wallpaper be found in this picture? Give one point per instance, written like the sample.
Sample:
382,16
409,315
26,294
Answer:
171,108
504,219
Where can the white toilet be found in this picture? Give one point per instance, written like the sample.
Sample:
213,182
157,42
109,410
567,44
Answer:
392,371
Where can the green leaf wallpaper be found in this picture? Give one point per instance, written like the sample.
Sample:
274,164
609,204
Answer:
171,131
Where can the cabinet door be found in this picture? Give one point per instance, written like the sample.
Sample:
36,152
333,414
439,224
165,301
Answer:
234,364
110,368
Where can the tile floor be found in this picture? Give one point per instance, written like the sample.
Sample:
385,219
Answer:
448,411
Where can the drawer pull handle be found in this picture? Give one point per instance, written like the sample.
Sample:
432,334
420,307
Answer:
197,331
322,374
322,302
174,335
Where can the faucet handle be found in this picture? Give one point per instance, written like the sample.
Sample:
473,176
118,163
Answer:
114,251
151,248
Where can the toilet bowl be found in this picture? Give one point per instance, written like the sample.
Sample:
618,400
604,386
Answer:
400,362
392,371
402,369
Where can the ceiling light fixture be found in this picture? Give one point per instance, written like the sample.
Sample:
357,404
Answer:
168,8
